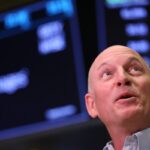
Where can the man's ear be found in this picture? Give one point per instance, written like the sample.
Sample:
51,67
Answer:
90,105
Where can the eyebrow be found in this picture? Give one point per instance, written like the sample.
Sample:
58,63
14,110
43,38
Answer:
103,64
129,60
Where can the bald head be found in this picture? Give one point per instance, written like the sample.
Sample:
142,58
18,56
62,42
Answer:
119,90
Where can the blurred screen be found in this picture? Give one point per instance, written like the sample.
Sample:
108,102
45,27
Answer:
42,80
124,22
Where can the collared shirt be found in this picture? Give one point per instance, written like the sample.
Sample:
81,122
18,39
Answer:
137,141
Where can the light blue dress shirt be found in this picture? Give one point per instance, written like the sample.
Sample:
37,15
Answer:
137,141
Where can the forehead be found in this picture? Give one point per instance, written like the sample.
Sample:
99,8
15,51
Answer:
116,54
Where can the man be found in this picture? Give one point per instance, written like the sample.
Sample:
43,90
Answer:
119,95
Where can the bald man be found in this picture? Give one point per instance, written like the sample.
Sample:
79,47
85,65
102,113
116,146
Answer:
119,95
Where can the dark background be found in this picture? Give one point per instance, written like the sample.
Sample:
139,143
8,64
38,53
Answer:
85,136
90,135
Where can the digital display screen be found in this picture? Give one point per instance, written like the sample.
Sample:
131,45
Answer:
42,80
125,22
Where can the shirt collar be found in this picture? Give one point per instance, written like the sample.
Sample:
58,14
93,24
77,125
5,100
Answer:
143,139
139,140
109,146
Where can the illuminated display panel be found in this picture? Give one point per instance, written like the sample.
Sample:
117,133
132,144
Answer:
42,82
124,22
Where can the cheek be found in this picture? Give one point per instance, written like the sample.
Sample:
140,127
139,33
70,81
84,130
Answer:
145,88
103,95
103,102
144,91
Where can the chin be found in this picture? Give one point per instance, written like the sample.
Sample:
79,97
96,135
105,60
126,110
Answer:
130,113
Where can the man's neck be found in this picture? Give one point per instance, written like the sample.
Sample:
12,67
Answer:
118,138
119,135
121,131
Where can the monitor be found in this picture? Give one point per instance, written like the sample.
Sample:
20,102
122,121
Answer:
42,78
124,22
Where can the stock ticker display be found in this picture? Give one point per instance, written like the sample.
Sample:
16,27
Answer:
124,22
42,81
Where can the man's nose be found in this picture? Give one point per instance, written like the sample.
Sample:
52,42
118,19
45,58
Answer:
123,79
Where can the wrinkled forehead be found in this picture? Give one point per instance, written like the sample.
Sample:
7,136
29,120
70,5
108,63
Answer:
115,52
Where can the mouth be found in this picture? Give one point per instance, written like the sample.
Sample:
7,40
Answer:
126,96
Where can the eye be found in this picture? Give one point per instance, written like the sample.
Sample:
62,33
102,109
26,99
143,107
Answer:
106,74
135,70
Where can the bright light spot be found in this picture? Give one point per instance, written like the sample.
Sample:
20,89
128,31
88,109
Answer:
51,38
54,7
133,13
123,3
141,46
49,29
12,82
15,19
52,45
137,29
60,112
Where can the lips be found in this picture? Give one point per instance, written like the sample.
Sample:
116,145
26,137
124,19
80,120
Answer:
126,96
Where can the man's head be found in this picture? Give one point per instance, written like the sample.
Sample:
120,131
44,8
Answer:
119,87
